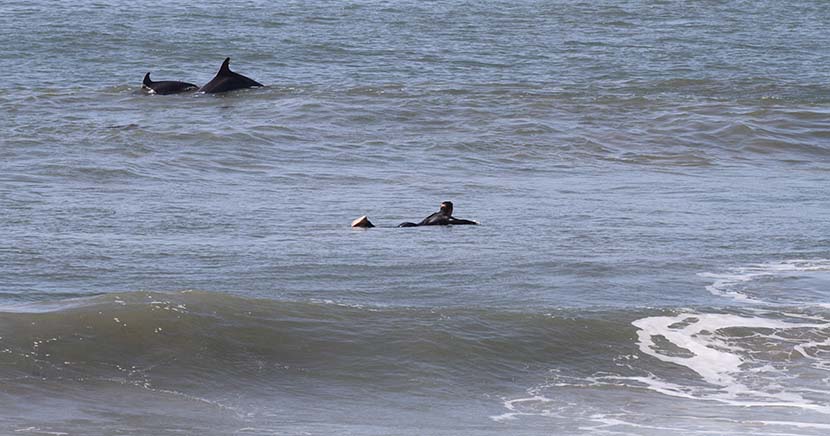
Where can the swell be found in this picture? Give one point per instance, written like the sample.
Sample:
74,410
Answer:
218,340
205,343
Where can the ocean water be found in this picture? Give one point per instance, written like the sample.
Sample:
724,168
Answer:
651,179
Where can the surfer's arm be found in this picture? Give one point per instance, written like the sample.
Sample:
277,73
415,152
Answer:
456,221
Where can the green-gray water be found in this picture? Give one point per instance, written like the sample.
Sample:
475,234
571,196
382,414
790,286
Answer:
651,179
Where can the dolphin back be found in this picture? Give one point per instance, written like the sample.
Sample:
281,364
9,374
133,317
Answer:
165,87
227,80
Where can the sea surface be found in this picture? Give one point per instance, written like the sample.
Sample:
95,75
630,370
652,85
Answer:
652,180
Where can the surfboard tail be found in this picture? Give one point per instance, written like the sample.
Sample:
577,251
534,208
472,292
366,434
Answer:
363,222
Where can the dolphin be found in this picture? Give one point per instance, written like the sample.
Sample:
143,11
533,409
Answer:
226,80
167,86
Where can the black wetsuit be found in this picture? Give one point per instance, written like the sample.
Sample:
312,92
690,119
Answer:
438,219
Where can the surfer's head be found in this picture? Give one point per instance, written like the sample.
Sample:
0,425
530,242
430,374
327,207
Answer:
446,207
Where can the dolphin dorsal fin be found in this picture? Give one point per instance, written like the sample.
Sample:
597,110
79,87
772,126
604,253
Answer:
225,69
147,81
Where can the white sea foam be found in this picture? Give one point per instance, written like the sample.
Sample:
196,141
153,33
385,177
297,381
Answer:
815,425
37,430
728,363
762,361
732,284
817,351
514,412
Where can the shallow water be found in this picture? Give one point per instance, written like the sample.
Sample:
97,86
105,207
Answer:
651,179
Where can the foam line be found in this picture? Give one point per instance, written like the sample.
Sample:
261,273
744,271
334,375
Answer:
715,361
726,284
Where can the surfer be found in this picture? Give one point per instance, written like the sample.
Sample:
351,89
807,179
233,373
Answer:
441,218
